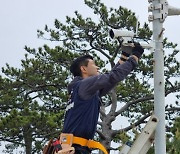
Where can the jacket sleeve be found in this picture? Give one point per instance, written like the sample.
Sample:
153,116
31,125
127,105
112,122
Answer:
105,82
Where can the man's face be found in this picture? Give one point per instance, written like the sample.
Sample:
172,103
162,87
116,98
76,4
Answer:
91,69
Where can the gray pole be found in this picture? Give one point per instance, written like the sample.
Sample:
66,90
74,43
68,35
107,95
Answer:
159,94
160,10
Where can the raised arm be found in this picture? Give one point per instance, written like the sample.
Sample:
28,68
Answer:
105,82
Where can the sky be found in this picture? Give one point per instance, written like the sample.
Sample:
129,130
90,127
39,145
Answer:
20,20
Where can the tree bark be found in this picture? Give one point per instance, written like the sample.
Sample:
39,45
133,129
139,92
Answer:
28,139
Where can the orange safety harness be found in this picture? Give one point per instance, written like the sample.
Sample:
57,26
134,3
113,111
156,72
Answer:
64,145
70,139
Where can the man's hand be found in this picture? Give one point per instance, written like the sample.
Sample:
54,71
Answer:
137,50
126,50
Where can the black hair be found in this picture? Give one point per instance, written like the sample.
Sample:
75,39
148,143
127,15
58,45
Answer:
77,63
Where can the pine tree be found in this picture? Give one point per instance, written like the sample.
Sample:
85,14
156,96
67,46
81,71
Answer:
35,95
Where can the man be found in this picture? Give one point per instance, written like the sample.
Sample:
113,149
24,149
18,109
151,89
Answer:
86,89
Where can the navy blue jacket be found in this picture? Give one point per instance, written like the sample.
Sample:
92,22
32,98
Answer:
83,106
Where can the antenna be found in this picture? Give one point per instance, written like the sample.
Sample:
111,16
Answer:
136,34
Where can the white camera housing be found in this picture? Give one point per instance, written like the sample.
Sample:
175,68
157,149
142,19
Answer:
127,37
114,33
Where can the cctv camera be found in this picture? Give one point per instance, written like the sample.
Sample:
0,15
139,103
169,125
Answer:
120,33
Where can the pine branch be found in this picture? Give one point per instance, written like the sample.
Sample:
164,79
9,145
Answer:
140,121
11,141
125,107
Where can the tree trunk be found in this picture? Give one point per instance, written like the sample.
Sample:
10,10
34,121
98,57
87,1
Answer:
107,119
28,139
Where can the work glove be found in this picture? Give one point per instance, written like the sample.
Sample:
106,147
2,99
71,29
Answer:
126,50
137,50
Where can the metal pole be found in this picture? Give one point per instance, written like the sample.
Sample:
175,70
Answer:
160,10
159,92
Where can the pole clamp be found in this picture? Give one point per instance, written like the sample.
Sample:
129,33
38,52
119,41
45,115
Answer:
159,11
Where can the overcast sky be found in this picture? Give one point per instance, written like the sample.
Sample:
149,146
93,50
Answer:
20,19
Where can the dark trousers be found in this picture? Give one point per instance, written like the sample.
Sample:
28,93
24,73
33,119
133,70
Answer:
81,150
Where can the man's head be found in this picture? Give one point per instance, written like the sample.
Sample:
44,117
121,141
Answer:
84,66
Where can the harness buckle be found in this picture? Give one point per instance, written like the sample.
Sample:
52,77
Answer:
66,138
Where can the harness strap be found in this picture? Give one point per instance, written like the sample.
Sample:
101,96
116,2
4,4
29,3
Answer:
70,139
